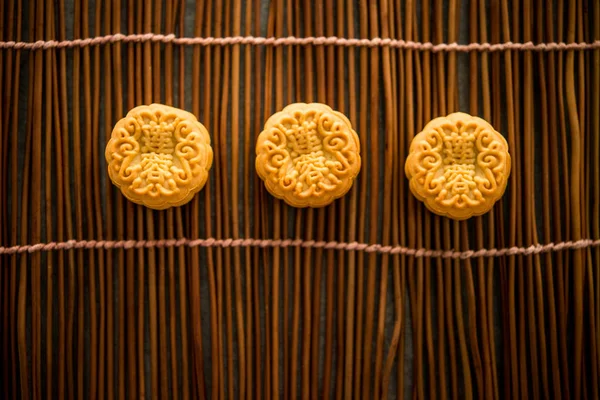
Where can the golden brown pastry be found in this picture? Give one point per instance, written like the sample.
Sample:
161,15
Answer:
159,156
308,155
458,166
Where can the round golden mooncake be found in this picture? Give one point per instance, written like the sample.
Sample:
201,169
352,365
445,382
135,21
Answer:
458,166
308,155
159,156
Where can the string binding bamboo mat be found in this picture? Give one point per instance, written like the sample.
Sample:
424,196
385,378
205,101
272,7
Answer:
236,295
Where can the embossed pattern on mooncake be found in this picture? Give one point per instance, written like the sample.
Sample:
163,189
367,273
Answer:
159,156
458,166
308,155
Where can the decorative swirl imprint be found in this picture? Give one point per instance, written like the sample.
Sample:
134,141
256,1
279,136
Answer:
159,156
458,166
308,155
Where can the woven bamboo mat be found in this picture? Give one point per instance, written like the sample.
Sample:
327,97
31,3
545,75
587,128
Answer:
236,295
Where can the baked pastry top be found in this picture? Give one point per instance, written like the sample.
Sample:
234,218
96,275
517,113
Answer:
458,166
308,155
159,156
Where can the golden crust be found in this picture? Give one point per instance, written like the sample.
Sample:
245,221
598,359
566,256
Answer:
159,156
458,166
308,155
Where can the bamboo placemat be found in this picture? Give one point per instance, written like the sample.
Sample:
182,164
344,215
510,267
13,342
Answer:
237,295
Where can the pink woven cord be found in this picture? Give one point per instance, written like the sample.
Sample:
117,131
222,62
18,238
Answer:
268,243
294,41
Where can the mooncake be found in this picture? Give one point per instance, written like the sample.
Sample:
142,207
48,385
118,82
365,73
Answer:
308,155
458,166
159,156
